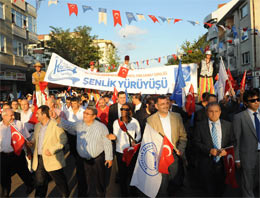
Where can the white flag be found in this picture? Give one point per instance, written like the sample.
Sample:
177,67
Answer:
146,176
222,78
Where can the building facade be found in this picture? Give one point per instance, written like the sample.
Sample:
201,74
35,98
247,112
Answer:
235,36
18,30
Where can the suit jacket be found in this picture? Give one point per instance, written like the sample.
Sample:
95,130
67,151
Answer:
200,115
54,140
179,136
141,115
112,116
203,140
246,138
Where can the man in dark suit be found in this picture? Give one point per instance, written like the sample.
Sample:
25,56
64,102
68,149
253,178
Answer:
114,110
247,134
142,114
213,135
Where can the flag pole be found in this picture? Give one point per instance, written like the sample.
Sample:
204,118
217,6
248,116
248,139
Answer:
174,147
19,132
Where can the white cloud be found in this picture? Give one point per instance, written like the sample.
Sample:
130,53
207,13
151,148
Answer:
130,31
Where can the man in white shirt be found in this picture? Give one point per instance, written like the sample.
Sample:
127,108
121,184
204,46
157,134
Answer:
170,124
10,162
26,114
75,114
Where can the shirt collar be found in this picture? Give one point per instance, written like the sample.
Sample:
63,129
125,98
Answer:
252,112
217,122
164,117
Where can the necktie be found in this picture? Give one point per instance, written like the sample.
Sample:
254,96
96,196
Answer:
257,126
216,144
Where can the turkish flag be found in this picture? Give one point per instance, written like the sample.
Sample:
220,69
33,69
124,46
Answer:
153,18
123,71
243,82
129,152
166,157
159,59
43,86
233,82
229,41
73,8
230,167
209,24
69,88
147,62
33,119
117,17
190,101
137,63
174,56
177,20
17,140
114,97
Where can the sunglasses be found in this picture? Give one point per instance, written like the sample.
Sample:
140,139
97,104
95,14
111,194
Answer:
254,100
124,109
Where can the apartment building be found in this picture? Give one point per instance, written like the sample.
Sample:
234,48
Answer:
235,36
18,30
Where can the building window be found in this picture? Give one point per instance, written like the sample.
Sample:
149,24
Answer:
2,43
244,11
1,11
244,35
18,48
31,24
245,58
19,19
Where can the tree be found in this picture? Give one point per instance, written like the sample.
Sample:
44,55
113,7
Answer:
76,47
191,52
113,59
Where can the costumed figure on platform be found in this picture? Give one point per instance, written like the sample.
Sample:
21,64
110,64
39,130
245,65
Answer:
38,79
206,83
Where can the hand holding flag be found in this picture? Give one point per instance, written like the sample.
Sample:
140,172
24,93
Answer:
17,140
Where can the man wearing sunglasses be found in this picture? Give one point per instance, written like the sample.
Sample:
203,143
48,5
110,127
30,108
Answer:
247,150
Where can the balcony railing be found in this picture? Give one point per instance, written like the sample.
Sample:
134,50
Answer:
32,37
20,32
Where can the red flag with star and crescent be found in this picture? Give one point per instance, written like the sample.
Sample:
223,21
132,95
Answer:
17,140
117,17
114,97
166,157
190,101
230,167
154,19
73,8
123,71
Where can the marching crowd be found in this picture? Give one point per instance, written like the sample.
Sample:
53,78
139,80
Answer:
97,132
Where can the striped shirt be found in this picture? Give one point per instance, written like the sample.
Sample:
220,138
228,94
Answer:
91,140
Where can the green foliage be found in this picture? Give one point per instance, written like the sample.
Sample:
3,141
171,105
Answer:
191,51
113,59
76,47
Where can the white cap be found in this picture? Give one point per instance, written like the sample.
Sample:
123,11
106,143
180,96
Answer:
208,52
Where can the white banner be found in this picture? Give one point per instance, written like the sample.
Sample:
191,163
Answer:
157,80
146,176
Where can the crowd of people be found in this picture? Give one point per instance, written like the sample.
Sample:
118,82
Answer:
97,132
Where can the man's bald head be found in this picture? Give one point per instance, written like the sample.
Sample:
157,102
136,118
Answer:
8,115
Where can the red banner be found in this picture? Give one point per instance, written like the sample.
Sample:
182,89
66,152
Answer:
166,157
17,140
117,17
123,71
73,8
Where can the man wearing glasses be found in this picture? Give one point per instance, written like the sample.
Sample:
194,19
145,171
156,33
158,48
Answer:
247,150
94,147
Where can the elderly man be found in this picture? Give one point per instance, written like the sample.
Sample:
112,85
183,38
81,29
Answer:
94,147
26,114
170,124
212,137
38,77
10,162
48,157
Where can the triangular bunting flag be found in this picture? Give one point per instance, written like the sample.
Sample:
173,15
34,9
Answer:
130,17
159,59
154,19
163,19
140,16
86,8
169,20
177,20
192,22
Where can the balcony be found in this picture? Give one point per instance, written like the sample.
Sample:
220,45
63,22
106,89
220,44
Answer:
31,10
230,51
20,32
19,3
32,37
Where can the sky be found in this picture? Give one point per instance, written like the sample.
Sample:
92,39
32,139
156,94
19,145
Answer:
140,40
